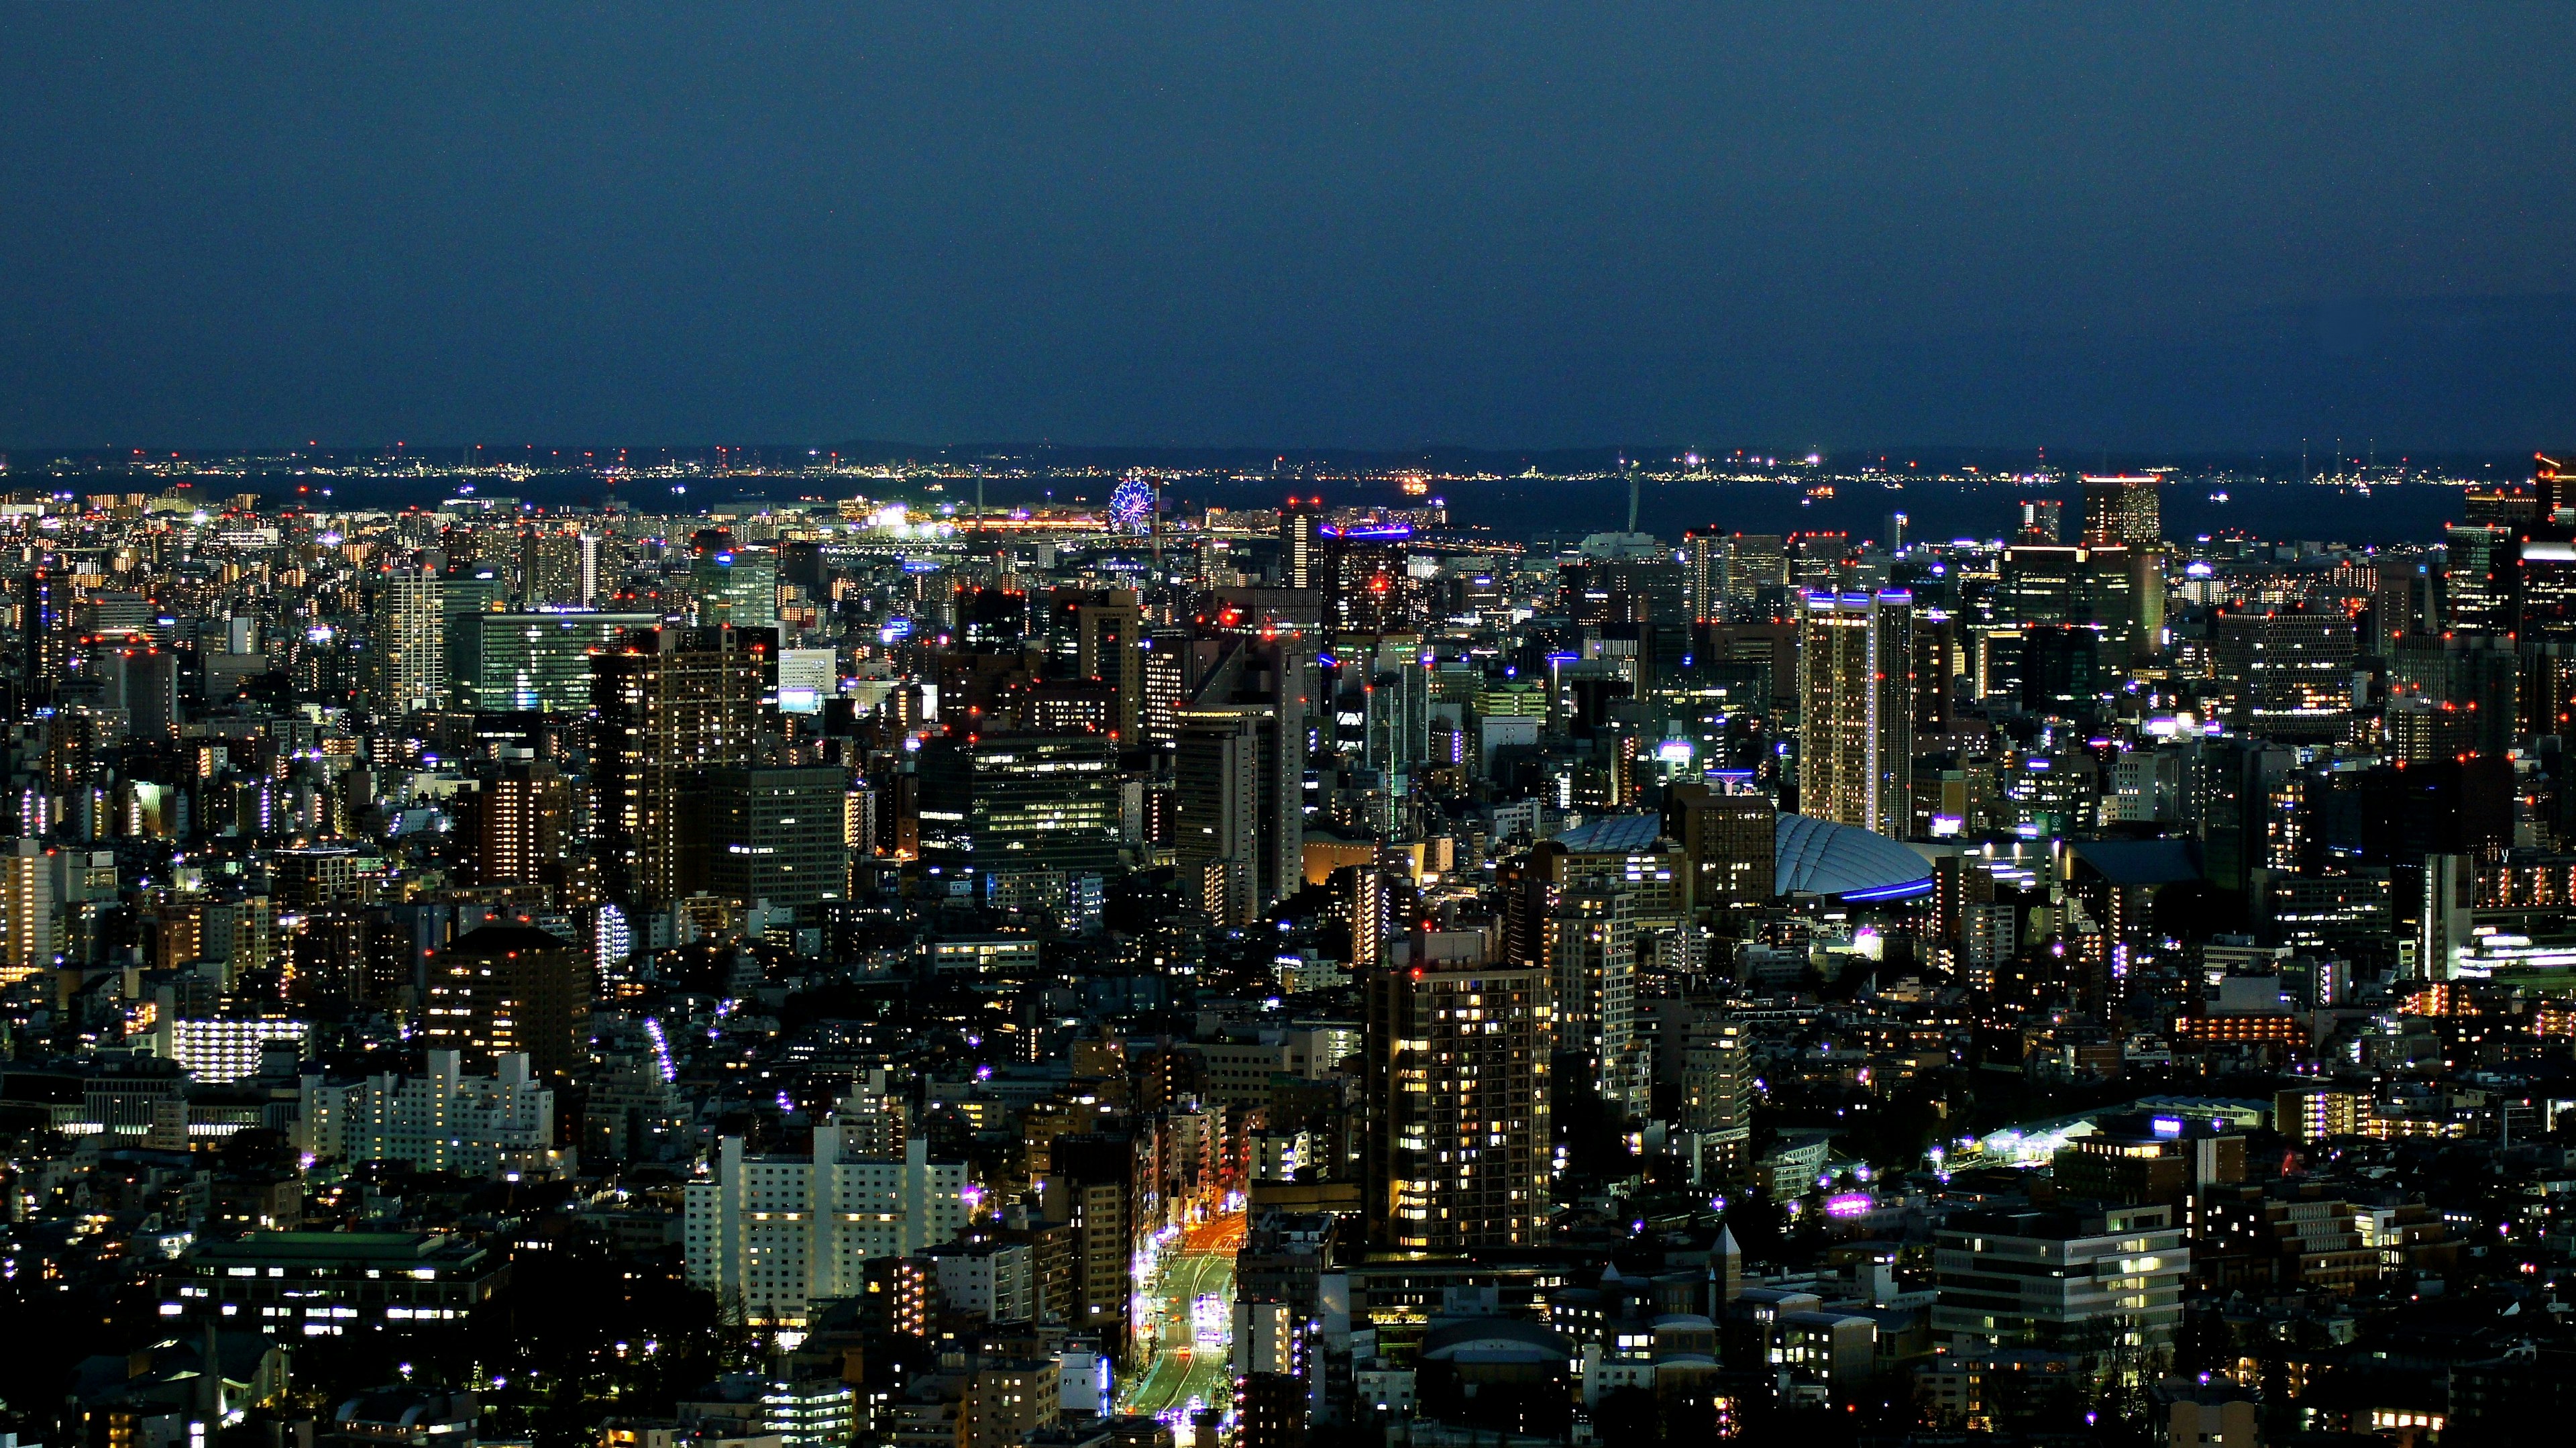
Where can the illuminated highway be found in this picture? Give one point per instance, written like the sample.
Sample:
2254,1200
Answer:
1191,1298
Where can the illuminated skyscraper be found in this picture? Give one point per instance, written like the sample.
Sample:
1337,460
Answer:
1301,552
550,568
1109,630
1459,1131
26,910
1754,562
520,661
737,586
672,703
1704,575
2477,575
1856,710
409,654
778,835
518,818
2123,509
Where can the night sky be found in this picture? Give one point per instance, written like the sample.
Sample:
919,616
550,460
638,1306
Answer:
2136,226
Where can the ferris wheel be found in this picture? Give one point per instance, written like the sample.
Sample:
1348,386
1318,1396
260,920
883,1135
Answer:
1131,506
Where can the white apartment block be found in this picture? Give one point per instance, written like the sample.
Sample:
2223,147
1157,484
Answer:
784,1233
440,1120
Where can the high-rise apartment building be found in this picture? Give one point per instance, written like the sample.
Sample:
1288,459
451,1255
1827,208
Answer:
504,989
1717,1096
1728,841
27,927
1091,1186
408,658
1590,950
1459,1102
1856,710
672,703
519,818
549,568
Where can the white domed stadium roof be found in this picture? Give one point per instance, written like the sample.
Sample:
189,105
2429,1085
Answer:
1818,857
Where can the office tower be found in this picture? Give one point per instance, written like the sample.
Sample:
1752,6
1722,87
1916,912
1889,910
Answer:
518,819
1273,682
2477,680
1459,1131
2123,509
1727,843
1754,562
671,703
1856,710
550,568
1369,586
2477,578
1625,591
1301,551
439,1120
309,879
1816,559
734,586
27,924
2553,486
1091,1188
408,657
1110,634
779,836
2081,1278
1027,801
507,662
1216,840
2544,590
2114,590
2293,671
144,682
1704,575
504,988
1395,706
783,1234
2042,521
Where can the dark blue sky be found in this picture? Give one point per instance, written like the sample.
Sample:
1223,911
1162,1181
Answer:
1810,225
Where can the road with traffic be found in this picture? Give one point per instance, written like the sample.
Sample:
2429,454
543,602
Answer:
1191,1301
